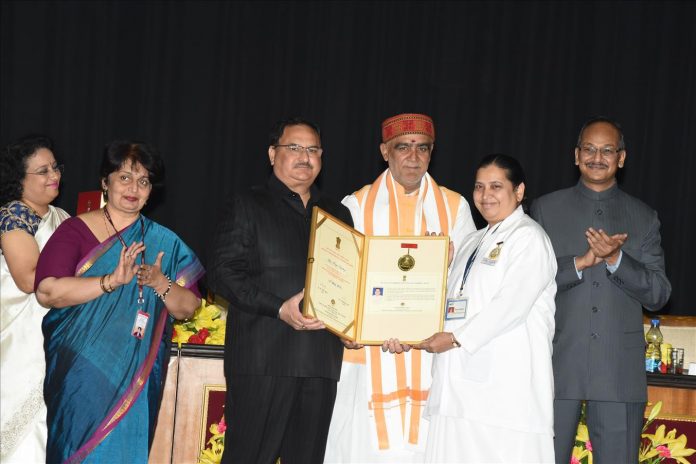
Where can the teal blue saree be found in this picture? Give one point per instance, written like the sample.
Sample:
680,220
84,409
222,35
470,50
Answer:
103,385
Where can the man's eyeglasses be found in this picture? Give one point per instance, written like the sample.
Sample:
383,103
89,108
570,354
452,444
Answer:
299,149
57,169
589,151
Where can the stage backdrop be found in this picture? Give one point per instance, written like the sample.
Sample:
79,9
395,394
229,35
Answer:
205,80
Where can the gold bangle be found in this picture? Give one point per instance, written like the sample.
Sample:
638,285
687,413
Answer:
111,288
103,287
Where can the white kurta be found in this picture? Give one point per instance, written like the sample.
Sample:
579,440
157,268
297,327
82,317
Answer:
352,435
502,375
22,362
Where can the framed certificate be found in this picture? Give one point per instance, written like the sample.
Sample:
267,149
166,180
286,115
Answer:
372,288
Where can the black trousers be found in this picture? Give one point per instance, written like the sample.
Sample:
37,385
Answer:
614,430
271,417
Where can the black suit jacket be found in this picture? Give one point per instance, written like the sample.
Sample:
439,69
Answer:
258,261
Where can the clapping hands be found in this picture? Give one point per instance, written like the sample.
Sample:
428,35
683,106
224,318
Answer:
126,267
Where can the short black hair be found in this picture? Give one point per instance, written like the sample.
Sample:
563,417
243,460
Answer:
513,169
279,127
595,120
120,151
13,164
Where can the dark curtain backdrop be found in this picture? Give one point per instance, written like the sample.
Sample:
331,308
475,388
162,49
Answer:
205,80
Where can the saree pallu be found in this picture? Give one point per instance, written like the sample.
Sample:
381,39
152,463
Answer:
103,385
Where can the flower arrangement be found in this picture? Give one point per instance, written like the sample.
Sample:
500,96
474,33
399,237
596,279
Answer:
655,447
206,326
212,454
582,451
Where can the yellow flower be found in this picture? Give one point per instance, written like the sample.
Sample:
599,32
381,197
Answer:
583,435
216,445
663,445
206,317
666,445
579,453
211,455
653,413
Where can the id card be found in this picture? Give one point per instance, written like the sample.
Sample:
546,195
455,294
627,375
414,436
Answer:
456,308
140,325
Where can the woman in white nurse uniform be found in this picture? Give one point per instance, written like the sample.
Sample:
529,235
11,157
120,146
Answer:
492,394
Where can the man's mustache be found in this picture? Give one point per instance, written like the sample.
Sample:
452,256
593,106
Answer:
303,165
597,165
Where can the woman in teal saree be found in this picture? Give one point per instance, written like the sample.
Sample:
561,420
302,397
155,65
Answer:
113,279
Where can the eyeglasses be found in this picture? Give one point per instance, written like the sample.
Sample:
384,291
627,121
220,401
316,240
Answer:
589,151
57,169
127,179
423,148
299,149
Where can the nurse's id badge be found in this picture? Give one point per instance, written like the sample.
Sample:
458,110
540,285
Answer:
456,308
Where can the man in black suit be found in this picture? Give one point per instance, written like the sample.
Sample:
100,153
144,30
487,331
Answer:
610,265
281,368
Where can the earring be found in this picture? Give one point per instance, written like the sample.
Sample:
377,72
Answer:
105,195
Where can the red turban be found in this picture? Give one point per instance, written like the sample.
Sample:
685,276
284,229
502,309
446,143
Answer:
407,123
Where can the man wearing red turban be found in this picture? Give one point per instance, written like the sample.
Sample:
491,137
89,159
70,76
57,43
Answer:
378,412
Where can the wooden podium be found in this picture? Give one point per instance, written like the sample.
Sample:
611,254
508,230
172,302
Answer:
193,398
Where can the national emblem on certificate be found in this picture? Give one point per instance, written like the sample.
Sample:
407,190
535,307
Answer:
372,288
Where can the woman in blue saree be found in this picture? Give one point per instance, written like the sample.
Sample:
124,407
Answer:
113,279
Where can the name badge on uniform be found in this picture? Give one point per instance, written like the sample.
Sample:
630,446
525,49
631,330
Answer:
140,325
492,258
456,308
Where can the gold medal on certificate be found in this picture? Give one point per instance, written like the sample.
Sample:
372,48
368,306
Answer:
407,262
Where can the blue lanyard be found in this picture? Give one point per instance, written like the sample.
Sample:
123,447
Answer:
472,258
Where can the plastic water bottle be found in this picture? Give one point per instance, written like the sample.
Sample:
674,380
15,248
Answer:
652,353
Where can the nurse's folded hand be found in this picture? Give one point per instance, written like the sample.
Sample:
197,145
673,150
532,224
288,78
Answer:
438,343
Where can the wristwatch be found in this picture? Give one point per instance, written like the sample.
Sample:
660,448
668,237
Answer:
455,343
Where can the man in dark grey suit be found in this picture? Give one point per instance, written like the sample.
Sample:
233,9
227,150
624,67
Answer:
610,265
281,368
